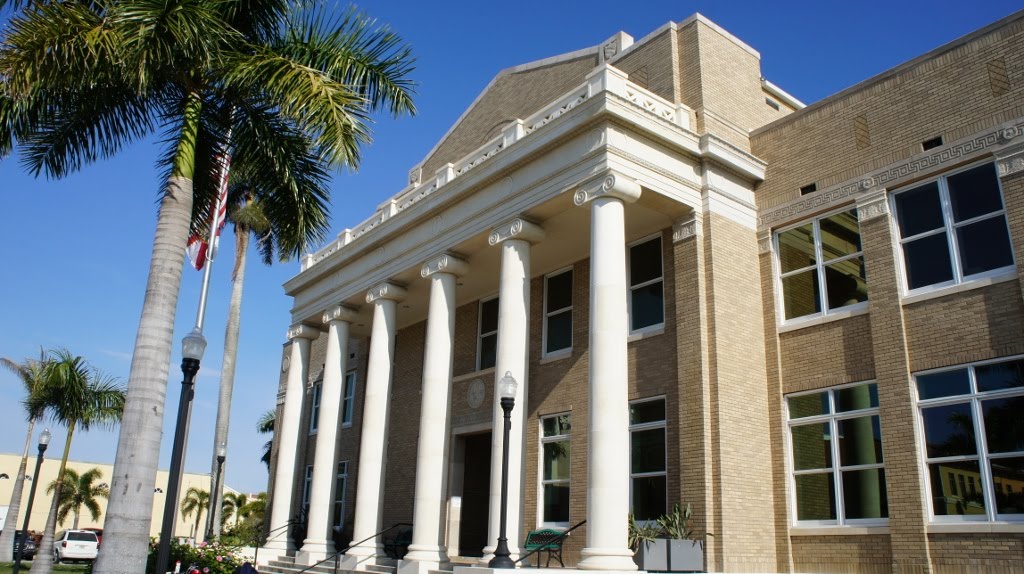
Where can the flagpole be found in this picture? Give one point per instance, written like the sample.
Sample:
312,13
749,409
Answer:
215,223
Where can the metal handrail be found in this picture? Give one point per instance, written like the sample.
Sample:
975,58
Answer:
289,522
351,544
552,541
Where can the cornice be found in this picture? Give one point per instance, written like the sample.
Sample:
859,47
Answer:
517,228
444,263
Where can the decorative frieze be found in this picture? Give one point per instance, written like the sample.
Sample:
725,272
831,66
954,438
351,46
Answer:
1010,161
385,291
686,228
611,185
444,263
764,241
340,313
518,228
872,205
301,331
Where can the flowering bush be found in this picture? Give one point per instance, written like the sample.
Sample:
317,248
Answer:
212,558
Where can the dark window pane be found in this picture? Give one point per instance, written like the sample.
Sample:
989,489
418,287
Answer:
646,412
488,351
927,261
998,376
796,248
949,430
81,536
1008,475
840,235
945,502
808,405
800,294
489,316
556,503
944,384
860,441
812,447
864,494
919,210
645,261
984,245
559,332
557,425
856,398
815,497
648,308
974,192
559,291
556,460
648,497
1004,424
648,451
845,283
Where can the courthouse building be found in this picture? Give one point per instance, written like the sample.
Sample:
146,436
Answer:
805,321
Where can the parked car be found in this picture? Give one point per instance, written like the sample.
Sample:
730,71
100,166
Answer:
29,550
75,545
99,535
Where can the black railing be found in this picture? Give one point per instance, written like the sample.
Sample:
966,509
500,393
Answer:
558,539
290,522
337,555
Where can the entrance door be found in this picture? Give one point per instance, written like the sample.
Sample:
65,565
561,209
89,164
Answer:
476,488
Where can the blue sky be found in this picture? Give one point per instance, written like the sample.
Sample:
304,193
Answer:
75,252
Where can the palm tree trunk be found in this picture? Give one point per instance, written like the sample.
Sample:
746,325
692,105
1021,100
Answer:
7,535
227,376
74,525
138,447
43,561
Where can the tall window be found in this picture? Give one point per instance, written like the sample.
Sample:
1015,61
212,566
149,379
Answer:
974,440
307,485
646,297
349,399
821,266
340,486
836,442
487,344
648,478
555,470
953,229
558,312
314,412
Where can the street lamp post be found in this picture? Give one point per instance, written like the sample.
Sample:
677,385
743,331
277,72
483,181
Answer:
222,451
192,347
507,391
44,441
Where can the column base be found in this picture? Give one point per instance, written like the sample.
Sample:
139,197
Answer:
313,551
422,560
617,559
358,558
278,546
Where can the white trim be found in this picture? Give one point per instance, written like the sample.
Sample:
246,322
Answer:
1001,275
814,320
837,530
781,94
547,314
630,287
480,334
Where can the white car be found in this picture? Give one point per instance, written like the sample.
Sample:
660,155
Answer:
75,545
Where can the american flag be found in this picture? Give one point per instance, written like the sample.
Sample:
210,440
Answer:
198,246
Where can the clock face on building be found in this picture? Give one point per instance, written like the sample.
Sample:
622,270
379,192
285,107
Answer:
475,394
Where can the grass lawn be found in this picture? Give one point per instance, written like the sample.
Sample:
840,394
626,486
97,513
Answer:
7,567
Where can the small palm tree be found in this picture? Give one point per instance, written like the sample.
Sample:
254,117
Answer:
235,504
31,374
196,500
266,426
78,491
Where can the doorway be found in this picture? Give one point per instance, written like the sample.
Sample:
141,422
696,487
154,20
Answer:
473,466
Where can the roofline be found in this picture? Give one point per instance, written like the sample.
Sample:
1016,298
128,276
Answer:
895,71
782,94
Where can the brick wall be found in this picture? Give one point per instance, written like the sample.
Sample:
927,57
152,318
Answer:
865,554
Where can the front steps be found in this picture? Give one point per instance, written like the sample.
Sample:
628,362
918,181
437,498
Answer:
287,565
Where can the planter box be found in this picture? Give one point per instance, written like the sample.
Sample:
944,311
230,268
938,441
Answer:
652,556
663,555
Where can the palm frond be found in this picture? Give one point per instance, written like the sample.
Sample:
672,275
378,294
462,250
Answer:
265,424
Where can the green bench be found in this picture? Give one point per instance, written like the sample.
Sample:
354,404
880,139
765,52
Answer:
546,540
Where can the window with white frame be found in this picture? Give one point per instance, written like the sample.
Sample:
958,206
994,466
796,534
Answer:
646,282
838,476
340,486
648,476
821,266
558,312
314,412
349,399
953,229
487,341
554,476
974,440
307,485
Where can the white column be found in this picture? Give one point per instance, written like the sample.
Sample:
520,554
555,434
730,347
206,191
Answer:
374,438
319,543
427,551
514,238
608,416
279,542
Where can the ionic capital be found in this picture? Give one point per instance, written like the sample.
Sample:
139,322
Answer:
611,185
687,227
300,331
340,313
444,263
385,290
518,228
872,204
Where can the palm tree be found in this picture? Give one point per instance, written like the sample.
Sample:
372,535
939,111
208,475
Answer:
196,500
74,396
31,374
265,425
79,491
292,86
236,504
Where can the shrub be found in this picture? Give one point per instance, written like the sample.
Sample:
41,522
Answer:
212,558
